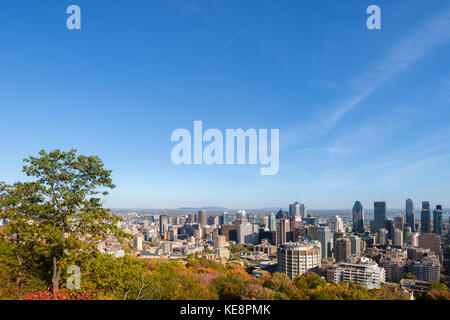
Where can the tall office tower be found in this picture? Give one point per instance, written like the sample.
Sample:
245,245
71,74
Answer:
325,237
272,225
382,236
437,220
398,238
283,228
336,224
343,249
201,217
410,215
355,243
163,225
303,211
225,218
294,209
425,217
295,258
358,217
399,222
379,215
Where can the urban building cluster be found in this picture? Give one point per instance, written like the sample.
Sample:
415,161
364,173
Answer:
398,250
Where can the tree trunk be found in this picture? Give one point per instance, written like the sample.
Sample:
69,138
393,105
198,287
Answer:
56,275
19,274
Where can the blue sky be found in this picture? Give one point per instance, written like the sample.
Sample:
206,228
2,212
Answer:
363,114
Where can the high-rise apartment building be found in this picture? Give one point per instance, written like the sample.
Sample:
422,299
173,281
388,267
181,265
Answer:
342,249
201,217
355,243
283,231
398,238
358,217
382,237
295,258
379,215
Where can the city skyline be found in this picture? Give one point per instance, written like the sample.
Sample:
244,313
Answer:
360,112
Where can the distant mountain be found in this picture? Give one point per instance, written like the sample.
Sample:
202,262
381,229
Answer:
210,208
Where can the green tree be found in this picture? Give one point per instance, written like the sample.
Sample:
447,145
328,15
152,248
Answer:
19,204
71,218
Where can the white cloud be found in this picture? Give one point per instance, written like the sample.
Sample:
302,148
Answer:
402,55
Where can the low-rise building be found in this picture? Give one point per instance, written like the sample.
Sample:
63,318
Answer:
365,273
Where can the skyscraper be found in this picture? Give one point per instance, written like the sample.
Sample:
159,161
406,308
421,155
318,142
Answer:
425,217
437,220
294,209
272,225
410,214
379,215
325,237
225,218
358,217
303,211
201,218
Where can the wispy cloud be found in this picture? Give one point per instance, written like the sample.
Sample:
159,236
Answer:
402,55
226,45
370,134
221,49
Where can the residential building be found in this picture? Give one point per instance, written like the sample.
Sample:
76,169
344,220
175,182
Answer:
295,258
